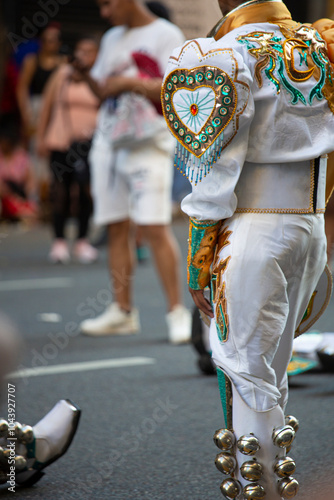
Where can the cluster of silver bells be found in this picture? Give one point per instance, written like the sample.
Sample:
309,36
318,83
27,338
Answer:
252,470
13,439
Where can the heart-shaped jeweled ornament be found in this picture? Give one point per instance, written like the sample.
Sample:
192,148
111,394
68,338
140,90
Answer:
198,104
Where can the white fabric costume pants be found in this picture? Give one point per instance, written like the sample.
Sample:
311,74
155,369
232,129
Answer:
272,264
275,263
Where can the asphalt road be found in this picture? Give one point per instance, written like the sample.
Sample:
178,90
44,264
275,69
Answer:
147,423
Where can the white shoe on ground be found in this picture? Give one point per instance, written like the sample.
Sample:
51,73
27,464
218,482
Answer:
113,321
179,325
50,439
59,253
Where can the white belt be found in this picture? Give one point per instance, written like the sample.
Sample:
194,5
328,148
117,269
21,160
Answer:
283,187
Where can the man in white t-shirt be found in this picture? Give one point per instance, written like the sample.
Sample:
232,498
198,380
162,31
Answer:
132,180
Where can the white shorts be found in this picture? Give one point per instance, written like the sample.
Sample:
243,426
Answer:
134,183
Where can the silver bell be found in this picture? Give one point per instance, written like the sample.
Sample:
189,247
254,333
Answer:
20,462
288,487
283,436
251,471
254,492
248,445
18,430
27,436
292,421
230,488
224,439
225,463
284,467
3,427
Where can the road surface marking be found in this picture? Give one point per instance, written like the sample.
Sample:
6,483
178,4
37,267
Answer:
81,367
35,284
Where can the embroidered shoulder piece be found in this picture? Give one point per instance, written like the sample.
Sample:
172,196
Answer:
202,100
202,242
288,60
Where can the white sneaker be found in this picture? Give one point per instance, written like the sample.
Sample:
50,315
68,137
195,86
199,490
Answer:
113,321
84,252
179,325
59,253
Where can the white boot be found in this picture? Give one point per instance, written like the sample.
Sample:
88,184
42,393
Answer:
47,441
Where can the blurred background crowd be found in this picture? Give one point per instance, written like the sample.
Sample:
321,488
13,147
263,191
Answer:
47,112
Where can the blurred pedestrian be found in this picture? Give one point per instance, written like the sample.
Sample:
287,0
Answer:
35,71
17,184
131,161
66,125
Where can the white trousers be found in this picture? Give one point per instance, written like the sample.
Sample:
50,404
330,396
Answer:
273,263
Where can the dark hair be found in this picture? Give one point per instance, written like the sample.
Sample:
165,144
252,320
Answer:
10,128
159,9
90,38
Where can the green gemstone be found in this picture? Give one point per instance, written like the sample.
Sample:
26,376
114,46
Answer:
171,117
169,86
167,96
182,78
209,75
227,100
196,145
181,132
223,111
216,122
209,130
188,139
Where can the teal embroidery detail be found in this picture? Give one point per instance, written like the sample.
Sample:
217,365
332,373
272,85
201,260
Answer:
222,391
276,59
303,58
269,73
226,397
317,90
296,95
196,236
193,277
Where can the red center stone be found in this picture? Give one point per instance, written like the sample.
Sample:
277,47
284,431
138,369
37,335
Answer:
194,109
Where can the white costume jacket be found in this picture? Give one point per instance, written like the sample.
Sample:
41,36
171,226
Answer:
252,110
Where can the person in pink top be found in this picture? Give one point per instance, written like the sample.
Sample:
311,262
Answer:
17,185
67,123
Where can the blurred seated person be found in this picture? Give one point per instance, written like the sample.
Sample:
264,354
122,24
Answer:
17,186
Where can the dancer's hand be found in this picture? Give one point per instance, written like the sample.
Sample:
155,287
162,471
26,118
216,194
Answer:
201,302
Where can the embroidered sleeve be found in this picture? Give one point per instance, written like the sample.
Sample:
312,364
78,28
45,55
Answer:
202,241
208,107
202,100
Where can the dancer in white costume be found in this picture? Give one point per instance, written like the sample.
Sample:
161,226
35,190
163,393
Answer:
252,108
